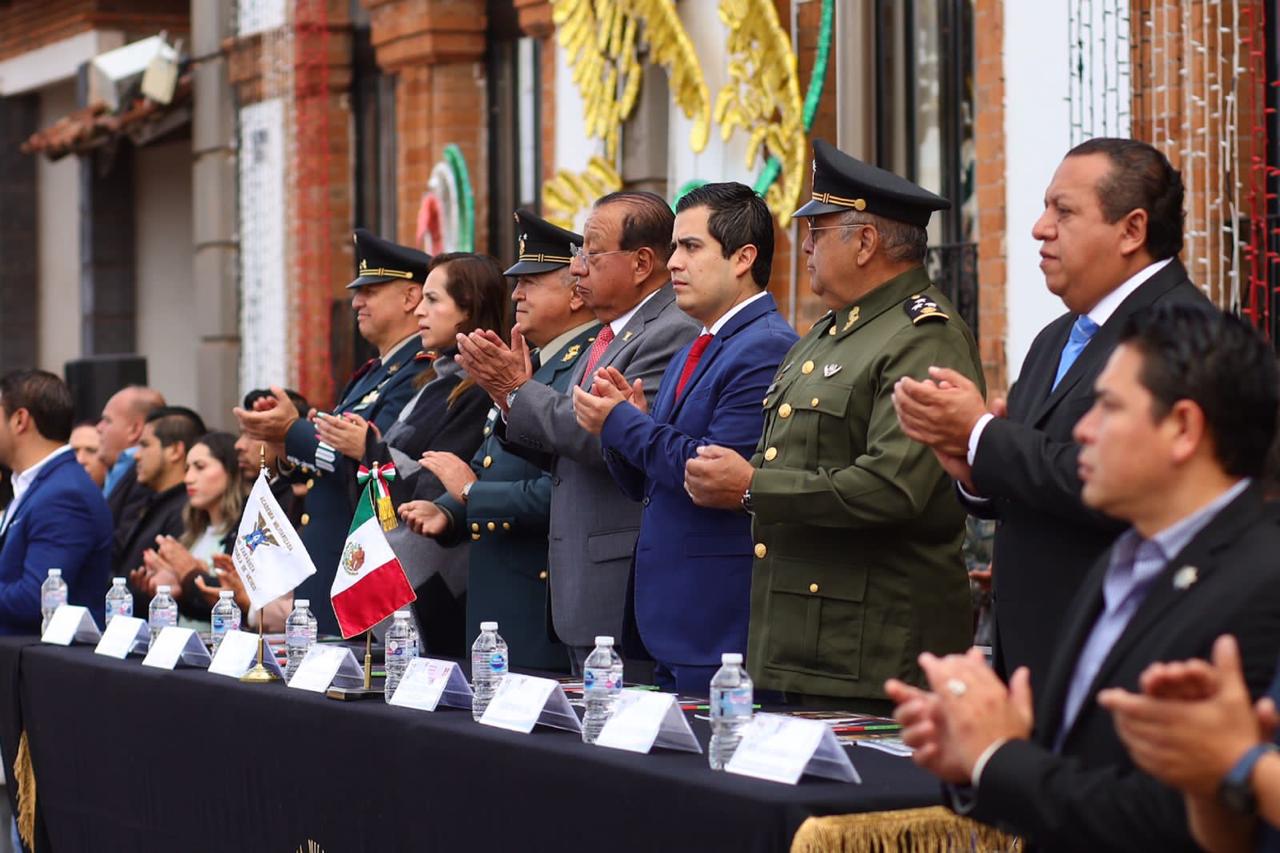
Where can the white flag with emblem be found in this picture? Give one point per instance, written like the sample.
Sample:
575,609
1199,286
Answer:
268,554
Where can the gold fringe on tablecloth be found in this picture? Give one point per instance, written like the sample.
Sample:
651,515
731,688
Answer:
24,786
928,830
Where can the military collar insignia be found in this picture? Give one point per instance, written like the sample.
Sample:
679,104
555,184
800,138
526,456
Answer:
829,370
393,368
854,314
921,308
1185,577
572,353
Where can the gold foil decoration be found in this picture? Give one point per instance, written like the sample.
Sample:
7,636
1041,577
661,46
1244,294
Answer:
569,193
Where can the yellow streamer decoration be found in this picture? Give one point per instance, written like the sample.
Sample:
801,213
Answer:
569,193
603,40
763,97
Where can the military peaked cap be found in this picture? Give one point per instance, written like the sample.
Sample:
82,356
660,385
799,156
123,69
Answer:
542,246
841,183
381,261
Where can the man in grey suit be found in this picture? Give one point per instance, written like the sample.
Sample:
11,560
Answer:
622,276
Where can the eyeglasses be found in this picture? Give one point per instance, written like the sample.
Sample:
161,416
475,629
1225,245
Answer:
581,254
812,228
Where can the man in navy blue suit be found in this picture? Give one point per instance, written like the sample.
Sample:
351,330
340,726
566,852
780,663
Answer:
58,517
692,586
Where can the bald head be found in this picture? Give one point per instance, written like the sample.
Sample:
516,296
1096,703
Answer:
122,419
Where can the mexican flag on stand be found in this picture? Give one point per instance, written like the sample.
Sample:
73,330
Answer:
370,583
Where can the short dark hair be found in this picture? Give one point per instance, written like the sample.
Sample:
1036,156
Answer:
1220,363
478,287
1140,178
45,397
739,217
647,222
173,424
299,401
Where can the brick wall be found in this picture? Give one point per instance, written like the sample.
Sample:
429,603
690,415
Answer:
29,24
993,316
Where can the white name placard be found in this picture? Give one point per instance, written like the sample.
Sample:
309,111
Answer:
238,653
124,634
176,644
524,701
428,682
643,719
782,749
69,623
325,665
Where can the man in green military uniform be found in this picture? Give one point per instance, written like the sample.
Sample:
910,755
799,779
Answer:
501,502
857,529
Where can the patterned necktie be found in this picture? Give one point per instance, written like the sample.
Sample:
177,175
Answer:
1081,331
602,341
691,363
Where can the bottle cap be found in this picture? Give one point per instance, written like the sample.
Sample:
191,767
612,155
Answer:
226,593
488,626
117,581
299,603
402,614
55,573
731,657
604,641
163,589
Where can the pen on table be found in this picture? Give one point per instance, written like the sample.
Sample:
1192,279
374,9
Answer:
708,707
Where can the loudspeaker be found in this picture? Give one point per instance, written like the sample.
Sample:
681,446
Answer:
94,379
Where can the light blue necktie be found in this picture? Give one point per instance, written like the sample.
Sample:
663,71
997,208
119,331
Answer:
1081,331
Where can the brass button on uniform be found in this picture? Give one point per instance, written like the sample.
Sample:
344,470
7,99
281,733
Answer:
492,526
813,402
784,411
306,519
506,525
832,330
475,536
806,368
311,484
488,460
761,550
766,402
488,430
771,454
475,527
813,587
542,575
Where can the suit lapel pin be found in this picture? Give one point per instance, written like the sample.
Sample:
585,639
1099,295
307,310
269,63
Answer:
1185,577
626,336
829,370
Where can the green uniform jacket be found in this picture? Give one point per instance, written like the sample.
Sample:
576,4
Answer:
857,528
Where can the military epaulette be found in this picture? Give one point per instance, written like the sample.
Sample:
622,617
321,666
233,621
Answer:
921,308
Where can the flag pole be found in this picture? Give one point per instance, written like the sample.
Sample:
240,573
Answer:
260,674
368,659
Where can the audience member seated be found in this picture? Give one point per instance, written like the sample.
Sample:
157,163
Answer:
85,443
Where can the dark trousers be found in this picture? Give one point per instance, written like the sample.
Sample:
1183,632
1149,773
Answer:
686,679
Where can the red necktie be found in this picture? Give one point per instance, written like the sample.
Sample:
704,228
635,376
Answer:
597,349
691,363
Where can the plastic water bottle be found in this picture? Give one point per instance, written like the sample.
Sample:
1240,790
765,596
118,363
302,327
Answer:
415,647
732,695
53,594
488,666
299,635
397,649
602,682
162,613
225,617
119,599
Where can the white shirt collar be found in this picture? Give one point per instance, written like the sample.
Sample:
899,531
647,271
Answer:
621,323
1108,304
23,481
728,315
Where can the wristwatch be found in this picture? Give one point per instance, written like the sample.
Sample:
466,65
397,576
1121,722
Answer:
466,491
511,396
746,502
1236,790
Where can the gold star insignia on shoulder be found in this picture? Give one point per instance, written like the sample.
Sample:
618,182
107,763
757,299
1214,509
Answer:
853,318
921,308
571,353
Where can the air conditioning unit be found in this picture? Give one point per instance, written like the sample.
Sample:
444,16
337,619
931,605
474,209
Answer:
148,67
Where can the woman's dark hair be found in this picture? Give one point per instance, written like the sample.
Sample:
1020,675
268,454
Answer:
480,290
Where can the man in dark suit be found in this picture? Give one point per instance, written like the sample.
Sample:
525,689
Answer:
622,276
57,518
1185,412
500,503
1110,235
119,431
384,296
720,268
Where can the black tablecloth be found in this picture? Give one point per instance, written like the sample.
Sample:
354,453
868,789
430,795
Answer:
132,758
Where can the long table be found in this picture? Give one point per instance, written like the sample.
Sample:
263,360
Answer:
131,758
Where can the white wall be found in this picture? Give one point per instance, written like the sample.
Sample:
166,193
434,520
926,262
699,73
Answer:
163,244
57,242
1038,132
